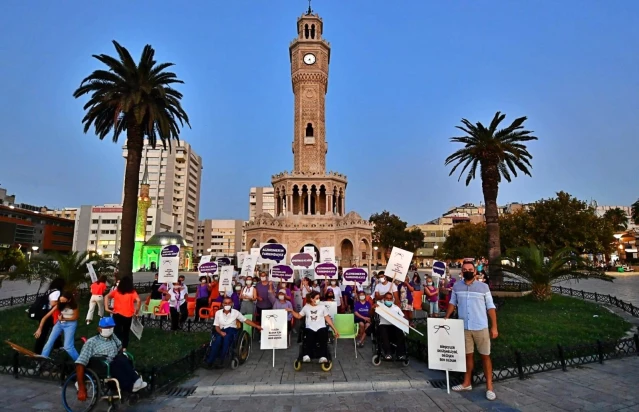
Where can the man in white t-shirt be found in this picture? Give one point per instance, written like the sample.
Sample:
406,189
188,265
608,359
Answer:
225,325
315,343
384,286
389,332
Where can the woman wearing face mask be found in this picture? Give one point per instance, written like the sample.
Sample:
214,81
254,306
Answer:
389,332
248,297
332,286
416,283
202,295
405,291
316,316
432,295
179,307
67,324
282,303
384,286
262,288
362,311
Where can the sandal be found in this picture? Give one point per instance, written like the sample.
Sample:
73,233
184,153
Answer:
490,395
462,388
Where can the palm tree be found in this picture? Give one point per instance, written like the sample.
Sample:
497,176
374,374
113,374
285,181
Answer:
542,272
617,218
498,153
139,99
635,212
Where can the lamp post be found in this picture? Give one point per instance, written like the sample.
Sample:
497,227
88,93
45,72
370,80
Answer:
435,247
376,262
34,249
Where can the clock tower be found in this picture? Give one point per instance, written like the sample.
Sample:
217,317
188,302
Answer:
310,56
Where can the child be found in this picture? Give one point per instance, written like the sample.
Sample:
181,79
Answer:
433,296
164,306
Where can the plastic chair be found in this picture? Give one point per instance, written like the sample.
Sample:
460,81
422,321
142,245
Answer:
417,300
209,312
347,329
190,307
149,309
156,312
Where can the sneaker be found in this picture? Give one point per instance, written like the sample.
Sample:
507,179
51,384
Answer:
306,358
388,357
323,360
139,384
77,387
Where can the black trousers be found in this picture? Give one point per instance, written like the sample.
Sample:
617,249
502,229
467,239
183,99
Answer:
44,336
388,333
122,370
200,303
122,328
178,316
315,343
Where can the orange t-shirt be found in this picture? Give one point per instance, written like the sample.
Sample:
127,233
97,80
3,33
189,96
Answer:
124,304
98,288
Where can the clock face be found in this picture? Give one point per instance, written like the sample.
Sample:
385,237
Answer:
309,58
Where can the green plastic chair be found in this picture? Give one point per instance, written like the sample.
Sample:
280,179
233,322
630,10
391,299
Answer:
246,327
153,303
347,329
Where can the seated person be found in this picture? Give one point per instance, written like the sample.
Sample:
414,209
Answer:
108,345
388,332
225,326
362,312
315,343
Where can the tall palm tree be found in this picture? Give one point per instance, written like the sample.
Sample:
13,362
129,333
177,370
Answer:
617,218
139,99
635,212
498,153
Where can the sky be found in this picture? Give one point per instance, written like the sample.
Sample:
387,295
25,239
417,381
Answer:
402,76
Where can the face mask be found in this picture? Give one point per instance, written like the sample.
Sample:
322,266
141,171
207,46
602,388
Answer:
383,280
249,282
330,297
238,288
468,275
280,297
203,280
315,302
388,303
227,307
106,333
263,278
430,283
362,297
333,283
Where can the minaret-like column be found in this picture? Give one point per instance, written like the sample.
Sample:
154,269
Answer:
144,203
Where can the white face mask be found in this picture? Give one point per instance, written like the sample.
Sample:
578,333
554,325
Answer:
263,278
333,283
249,282
227,307
430,283
383,280
238,289
315,302
106,333
281,297
362,298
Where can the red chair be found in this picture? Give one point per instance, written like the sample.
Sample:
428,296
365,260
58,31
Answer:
209,312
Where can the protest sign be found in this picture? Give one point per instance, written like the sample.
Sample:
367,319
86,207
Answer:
439,268
298,301
306,273
137,328
207,268
169,264
240,258
331,307
446,345
302,260
311,251
398,264
94,276
355,276
274,333
326,271
226,279
273,253
205,259
327,255
248,265
223,261
395,319
281,273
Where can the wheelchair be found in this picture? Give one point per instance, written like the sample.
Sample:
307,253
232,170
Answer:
239,351
378,355
99,386
297,364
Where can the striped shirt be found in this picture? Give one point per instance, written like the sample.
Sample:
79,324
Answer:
472,301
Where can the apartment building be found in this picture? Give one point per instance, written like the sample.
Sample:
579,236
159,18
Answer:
33,232
219,237
175,178
64,213
261,200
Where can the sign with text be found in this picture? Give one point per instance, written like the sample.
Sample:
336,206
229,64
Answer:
395,319
205,259
306,273
398,264
240,258
169,264
446,344
273,253
94,276
223,261
274,333
311,251
331,307
327,255
207,268
355,276
248,265
439,268
281,273
326,271
302,260
226,279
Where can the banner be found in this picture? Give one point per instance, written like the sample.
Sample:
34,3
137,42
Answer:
169,264
398,264
355,276
226,279
248,265
256,251
326,271
281,273
302,260
94,276
395,319
207,268
327,255
240,258
273,253
274,329
446,344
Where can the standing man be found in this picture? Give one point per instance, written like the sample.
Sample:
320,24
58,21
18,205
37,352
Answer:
474,305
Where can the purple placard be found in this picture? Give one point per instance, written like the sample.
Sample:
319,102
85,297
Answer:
208,268
357,275
302,260
170,251
439,268
224,261
283,272
327,269
273,251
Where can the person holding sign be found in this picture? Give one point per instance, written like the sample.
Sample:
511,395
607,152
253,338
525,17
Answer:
248,296
388,331
474,305
97,298
225,326
384,286
315,343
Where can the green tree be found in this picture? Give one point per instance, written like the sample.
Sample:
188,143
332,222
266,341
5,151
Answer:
617,219
139,99
389,230
11,257
414,239
498,153
635,212
465,240
528,264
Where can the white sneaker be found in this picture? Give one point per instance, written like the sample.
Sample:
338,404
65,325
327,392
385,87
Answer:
77,387
323,360
139,384
306,358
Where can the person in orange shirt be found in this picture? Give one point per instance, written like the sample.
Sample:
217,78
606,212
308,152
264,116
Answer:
97,298
126,304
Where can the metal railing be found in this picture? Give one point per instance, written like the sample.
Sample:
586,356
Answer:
598,298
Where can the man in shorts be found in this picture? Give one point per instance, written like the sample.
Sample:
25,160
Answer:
475,305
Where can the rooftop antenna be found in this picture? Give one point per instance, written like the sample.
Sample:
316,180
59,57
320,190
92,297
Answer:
310,10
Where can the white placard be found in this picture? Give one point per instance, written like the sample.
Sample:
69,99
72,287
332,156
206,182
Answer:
226,279
273,253
306,273
355,276
169,264
398,264
240,258
446,344
137,328
205,259
311,251
298,301
94,276
256,251
274,333
327,255
332,308
398,321
248,266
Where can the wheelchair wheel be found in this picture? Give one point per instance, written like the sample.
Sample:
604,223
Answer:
243,348
377,360
235,362
405,362
297,365
70,393
327,366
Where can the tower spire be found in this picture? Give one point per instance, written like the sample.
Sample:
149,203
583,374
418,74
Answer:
145,175
310,10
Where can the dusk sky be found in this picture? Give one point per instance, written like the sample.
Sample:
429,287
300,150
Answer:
402,75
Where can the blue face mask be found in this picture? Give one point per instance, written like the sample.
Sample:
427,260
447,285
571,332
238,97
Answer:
388,303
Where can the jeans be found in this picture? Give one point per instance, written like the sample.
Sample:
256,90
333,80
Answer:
95,300
433,307
122,328
315,344
225,342
68,328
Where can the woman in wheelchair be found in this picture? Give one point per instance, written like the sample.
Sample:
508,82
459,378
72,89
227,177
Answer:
315,343
388,331
107,345
225,326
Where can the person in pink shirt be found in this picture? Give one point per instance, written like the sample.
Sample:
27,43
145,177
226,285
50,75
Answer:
165,308
97,298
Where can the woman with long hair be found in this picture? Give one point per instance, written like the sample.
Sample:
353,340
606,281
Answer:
54,291
126,304
66,324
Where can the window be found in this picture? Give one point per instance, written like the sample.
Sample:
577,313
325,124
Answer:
93,242
309,130
94,232
94,221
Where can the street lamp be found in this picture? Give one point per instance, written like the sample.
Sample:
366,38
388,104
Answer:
435,247
376,262
34,248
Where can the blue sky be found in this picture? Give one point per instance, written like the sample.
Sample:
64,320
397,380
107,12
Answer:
402,75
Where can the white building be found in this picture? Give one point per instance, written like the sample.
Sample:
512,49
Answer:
261,200
175,177
219,237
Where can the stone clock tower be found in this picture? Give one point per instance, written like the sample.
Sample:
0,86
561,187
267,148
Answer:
310,204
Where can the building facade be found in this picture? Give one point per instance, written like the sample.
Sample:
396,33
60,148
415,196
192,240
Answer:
220,238
65,213
261,200
310,203
174,178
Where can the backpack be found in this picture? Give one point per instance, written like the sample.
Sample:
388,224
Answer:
40,307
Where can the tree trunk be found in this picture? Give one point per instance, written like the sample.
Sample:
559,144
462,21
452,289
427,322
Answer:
134,146
490,188
541,291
